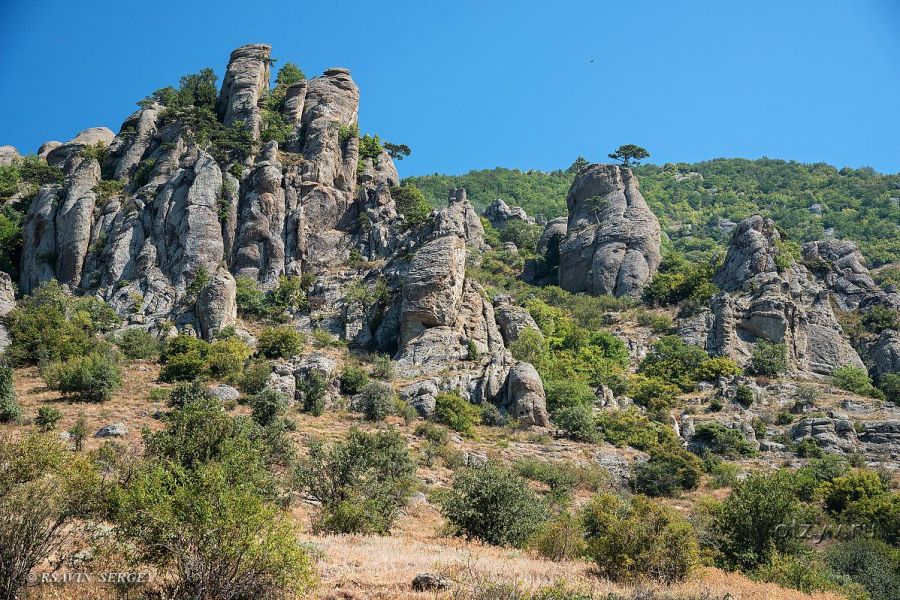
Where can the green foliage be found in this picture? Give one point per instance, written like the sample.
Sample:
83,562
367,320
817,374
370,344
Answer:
667,474
108,188
184,358
268,405
139,344
313,390
288,296
890,386
853,379
382,367
629,154
90,378
808,448
45,493
347,132
746,524
577,422
456,412
370,147
630,427
879,318
523,235
411,204
722,440
672,360
640,539
561,538
225,358
492,504
50,325
681,280
653,393
787,253
282,341
854,486
10,411
361,482
561,477
397,151
744,396
870,563
768,359
376,401
78,432
353,379
806,573
47,418
200,281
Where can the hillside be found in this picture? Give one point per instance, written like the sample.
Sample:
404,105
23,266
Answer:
699,203
242,359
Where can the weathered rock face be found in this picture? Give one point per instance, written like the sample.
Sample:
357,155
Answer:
761,302
843,270
8,155
545,269
525,396
512,319
612,240
186,216
499,214
885,353
245,80
7,304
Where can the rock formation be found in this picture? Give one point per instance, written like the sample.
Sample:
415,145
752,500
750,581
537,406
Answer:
762,301
612,238
499,214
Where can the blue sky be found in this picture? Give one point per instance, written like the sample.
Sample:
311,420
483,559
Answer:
479,84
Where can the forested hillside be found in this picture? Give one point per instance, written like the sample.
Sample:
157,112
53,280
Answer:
698,204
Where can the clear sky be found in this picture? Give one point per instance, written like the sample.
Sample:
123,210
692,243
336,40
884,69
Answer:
479,84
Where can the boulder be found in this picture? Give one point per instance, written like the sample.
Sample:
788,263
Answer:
422,396
830,434
224,392
885,353
217,304
8,155
525,398
499,214
512,319
843,270
751,254
112,430
613,239
429,582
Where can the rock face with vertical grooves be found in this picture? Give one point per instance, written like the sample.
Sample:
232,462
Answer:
246,78
612,239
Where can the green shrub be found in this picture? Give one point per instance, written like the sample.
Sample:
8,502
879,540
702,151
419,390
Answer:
225,358
744,396
138,344
523,235
722,440
560,538
47,418
856,485
376,401
890,385
870,563
353,379
672,360
637,540
878,515
91,378
806,573
561,477
280,342
456,412
577,423
492,417
361,482
411,204
185,393
879,318
268,405
563,393
768,359
724,474
313,390
784,418
78,432
654,394
808,448
747,524
183,358
51,325
382,367
10,411
255,376
667,474
621,427
853,379
492,504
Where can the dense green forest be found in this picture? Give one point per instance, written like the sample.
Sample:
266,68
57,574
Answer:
695,201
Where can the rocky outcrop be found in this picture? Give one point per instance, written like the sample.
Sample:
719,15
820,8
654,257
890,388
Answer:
762,301
612,240
60,154
246,79
499,214
545,269
843,270
525,396
885,353
8,155
7,304
512,319
830,434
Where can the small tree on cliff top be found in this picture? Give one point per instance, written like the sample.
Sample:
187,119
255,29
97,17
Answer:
630,153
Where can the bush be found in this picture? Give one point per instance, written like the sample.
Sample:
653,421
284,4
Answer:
561,538
621,427
577,423
255,376
268,405
722,440
878,515
768,359
10,411
808,448
675,362
561,477
667,474
138,344
890,385
870,563
382,367
313,390
640,539
280,342
353,379
47,418
744,396
654,394
376,401
456,412
361,482
225,358
491,416
523,235
806,573
51,325
853,379
492,504
91,378
746,525
411,204
564,393
856,485
183,358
